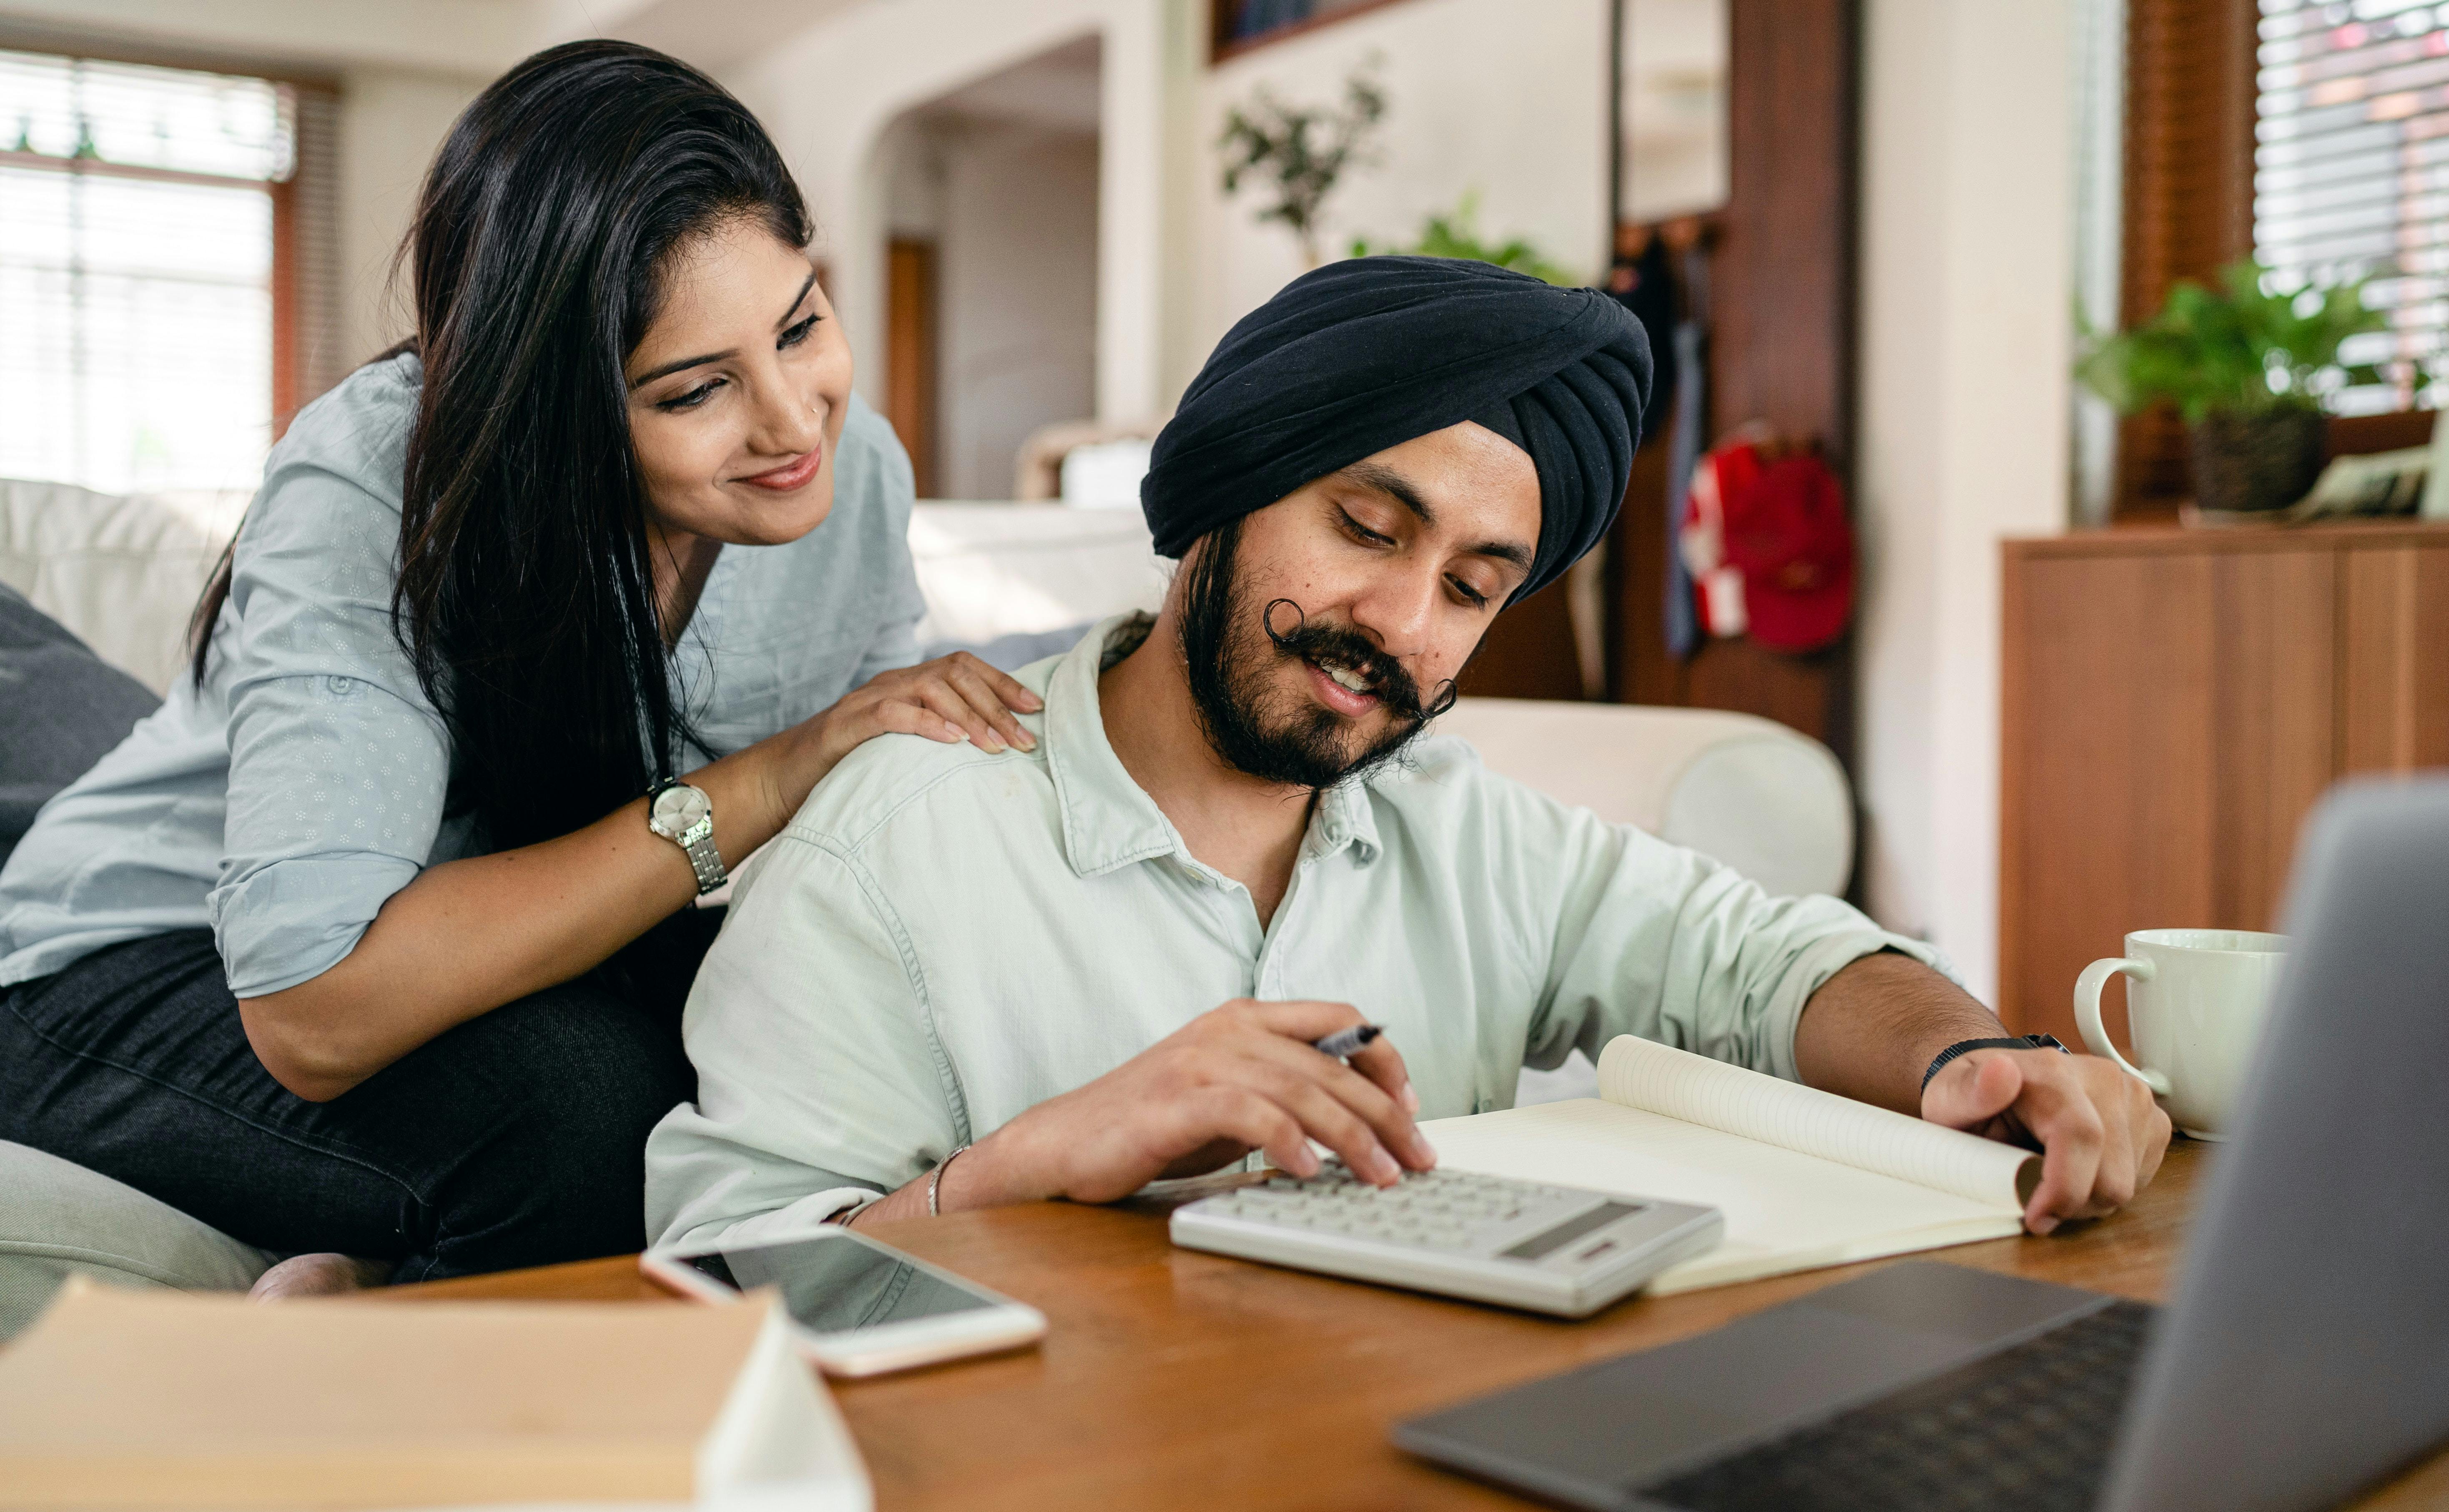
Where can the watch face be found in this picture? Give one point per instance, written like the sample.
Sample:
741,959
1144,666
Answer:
677,808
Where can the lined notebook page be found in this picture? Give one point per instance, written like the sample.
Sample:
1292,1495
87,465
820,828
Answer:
1785,1211
1659,1079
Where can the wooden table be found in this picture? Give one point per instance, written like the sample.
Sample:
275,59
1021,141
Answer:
1170,1378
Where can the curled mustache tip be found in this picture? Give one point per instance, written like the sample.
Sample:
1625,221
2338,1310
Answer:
1283,638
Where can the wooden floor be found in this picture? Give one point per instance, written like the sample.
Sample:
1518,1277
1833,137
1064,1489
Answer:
1170,1378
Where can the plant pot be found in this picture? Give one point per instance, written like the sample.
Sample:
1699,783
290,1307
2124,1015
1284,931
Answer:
2248,462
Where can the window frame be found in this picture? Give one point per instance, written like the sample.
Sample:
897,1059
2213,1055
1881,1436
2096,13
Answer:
2187,200
288,336
2191,106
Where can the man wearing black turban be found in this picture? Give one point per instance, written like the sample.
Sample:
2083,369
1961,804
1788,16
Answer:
1362,356
1360,376
1011,950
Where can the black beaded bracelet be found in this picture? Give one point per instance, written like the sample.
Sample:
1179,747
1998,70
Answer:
2022,1041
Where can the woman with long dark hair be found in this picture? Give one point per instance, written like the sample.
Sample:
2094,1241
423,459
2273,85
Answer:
371,941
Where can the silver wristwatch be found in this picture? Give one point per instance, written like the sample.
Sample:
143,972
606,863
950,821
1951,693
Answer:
685,816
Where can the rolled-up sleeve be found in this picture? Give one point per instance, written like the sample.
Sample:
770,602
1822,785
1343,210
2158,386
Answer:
821,1084
339,765
1661,942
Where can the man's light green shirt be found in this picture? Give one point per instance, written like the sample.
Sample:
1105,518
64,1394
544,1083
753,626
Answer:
943,938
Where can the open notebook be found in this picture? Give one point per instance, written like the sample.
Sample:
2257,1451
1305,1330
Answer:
1806,1177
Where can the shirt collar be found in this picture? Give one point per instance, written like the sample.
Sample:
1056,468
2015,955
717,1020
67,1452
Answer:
1344,816
1109,820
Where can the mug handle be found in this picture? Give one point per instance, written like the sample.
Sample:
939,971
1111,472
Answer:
2086,1014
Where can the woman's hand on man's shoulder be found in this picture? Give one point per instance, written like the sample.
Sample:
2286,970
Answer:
951,698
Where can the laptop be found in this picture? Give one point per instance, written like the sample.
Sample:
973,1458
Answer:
2305,1358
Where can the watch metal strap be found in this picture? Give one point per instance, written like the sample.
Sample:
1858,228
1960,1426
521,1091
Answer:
704,858
2022,1041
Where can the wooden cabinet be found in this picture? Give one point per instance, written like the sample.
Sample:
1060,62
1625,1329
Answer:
2173,703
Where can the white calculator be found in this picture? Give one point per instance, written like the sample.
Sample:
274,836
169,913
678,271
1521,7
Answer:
1550,1249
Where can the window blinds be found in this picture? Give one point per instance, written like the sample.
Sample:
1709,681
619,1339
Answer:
136,272
314,251
2351,173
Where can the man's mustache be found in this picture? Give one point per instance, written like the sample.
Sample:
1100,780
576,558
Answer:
1394,686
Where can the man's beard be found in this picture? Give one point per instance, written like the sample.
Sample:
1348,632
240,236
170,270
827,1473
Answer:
1232,646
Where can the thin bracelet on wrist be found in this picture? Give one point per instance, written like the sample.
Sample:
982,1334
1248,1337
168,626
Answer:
2020,1042
936,1180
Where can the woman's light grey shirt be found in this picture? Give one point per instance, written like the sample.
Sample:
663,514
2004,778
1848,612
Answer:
303,785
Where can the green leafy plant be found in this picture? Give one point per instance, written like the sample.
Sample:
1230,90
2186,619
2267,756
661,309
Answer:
2248,348
1304,151
1457,235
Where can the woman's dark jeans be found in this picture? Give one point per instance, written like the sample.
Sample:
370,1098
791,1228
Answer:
513,1140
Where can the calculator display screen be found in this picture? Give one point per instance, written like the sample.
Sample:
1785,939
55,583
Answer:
1541,1245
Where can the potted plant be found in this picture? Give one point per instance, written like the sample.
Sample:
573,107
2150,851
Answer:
1457,235
1304,149
2247,365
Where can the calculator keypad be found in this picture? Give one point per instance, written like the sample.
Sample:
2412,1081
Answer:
1560,1249
1455,1211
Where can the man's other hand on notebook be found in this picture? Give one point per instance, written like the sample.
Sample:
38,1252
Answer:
2100,1134
1238,1078
1872,1030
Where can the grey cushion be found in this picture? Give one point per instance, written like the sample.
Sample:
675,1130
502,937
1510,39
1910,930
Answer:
66,709
58,1219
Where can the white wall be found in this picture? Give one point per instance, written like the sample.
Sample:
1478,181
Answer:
440,36
1017,256
1674,119
1506,98
829,93
391,123
1966,277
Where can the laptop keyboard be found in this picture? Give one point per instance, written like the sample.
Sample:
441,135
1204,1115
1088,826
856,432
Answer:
2027,1430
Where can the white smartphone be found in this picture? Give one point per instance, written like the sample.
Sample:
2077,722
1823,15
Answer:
857,1306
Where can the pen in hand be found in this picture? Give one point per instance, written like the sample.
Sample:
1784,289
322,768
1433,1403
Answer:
1343,1042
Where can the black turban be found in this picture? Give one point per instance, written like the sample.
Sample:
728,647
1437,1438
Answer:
1367,353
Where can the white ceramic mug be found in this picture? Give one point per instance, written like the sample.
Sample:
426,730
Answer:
2194,1005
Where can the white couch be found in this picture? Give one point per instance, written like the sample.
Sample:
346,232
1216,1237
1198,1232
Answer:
124,573
122,570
